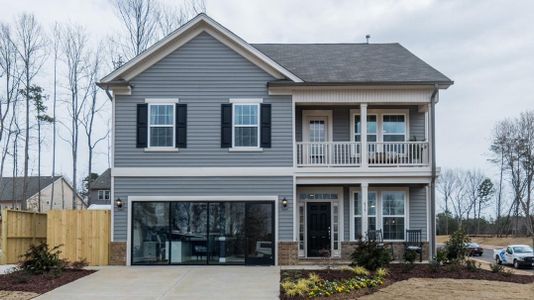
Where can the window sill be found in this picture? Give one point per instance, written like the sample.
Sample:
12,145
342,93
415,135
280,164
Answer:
245,149
162,149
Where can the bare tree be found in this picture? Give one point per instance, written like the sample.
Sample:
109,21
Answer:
147,21
140,19
447,185
74,52
473,179
8,98
91,110
56,36
172,17
30,46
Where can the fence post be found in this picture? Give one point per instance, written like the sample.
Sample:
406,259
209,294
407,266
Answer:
3,259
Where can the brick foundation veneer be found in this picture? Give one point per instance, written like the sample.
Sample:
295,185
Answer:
117,253
288,253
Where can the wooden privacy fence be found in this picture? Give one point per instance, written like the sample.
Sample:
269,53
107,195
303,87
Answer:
84,234
20,229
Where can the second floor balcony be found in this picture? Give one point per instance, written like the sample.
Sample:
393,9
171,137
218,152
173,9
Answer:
377,136
349,154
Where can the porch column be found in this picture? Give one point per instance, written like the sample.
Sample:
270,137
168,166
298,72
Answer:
363,137
365,198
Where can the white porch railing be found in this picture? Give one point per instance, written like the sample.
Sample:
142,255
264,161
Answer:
326,154
398,154
348,154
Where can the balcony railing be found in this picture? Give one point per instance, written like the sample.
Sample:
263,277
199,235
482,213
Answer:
326,154
348,154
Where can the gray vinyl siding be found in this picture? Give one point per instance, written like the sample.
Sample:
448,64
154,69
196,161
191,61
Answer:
346,213
418,210
204,186
417,125
342,119
203,74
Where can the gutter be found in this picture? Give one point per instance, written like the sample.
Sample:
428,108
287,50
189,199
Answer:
438,84
433,101
111,84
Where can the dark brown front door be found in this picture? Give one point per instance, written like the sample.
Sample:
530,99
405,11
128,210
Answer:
318,215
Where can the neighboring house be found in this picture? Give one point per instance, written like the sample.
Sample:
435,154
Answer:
226,152
100,189
11,193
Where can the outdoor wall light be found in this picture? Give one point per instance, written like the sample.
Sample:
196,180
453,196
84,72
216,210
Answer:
118,202
284,202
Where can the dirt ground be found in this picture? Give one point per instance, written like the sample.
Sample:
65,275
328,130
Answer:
10,295
493,241
435,289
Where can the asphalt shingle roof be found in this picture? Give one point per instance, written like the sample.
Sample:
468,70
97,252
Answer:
352,63
6,186
102,182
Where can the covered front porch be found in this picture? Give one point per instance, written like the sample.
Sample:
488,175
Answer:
330,219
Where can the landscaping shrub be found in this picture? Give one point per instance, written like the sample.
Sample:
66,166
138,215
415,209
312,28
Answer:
39,259
410,256
455,246
472,266
441,256
370,256
435,266
496,268
360,271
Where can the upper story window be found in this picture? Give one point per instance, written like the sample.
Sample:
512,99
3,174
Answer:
371,128
161,124
382,126
394,128
103,194
246,125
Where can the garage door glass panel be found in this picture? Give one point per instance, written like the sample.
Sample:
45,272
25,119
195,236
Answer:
150,228
189,234
227,236
260,235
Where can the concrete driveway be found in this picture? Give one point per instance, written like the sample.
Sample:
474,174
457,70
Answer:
170,282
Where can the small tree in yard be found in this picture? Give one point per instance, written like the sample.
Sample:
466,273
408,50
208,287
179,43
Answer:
370,255
455,246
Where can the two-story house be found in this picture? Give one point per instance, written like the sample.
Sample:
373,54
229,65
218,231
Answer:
226,152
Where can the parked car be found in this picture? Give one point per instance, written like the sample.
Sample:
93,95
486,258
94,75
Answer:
517,255
474,249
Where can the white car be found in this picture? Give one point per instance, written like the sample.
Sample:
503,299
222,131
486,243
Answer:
517,255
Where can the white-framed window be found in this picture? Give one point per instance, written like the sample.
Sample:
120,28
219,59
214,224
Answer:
161,125
371,128
104,195
383,125
393,128
393,215
358,213
246,124
386,210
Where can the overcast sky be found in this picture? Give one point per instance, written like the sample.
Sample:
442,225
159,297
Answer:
486,47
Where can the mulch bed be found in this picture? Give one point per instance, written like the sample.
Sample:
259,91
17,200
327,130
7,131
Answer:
22,281
399,272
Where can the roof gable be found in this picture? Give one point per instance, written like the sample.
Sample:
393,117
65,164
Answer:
199,24
10,184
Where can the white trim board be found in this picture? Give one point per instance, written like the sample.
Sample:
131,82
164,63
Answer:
201,172
199,24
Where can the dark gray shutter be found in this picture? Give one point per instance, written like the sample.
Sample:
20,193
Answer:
142,125
226,125
181,125
265,128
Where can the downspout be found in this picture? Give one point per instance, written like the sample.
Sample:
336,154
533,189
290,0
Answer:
433,100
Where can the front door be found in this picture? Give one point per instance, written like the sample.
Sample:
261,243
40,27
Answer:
318,219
